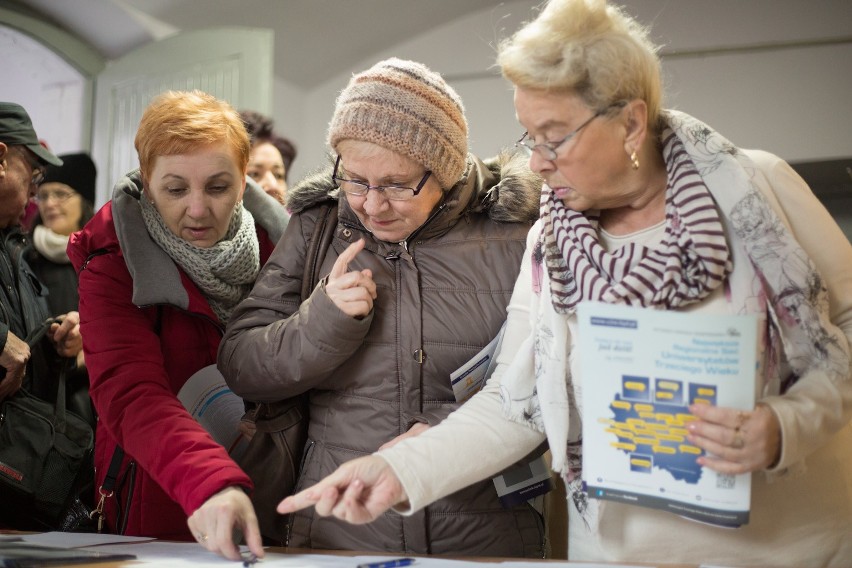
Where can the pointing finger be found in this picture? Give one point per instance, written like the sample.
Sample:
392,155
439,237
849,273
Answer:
341,265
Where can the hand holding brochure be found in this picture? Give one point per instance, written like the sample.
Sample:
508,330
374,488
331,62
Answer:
641,370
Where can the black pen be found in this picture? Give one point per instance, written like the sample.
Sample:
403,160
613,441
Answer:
395,563
250,559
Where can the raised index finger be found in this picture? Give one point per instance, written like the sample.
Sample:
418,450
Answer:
341,265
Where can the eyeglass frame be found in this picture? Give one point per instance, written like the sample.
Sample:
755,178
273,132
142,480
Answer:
38,170
55,195
552,147
380,188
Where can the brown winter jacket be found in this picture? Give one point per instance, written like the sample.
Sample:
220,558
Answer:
442,297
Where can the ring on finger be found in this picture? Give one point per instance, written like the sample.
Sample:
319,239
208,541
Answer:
201,537
738,442
741,419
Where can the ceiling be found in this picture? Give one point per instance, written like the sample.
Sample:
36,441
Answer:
336,33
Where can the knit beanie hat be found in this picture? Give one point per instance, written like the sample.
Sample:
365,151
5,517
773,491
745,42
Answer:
77,172
405,107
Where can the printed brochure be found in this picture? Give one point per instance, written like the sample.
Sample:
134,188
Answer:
641,370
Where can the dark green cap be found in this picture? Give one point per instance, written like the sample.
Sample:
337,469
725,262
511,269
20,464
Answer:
16,129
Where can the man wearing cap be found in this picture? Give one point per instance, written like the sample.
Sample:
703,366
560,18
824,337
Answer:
22,297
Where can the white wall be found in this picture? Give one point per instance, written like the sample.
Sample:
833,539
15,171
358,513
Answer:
49,88
748,68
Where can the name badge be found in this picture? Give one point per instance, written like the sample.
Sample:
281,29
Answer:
523,482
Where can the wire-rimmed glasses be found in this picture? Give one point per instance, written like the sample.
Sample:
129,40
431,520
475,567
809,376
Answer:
392,192
59,195
38,169
547,150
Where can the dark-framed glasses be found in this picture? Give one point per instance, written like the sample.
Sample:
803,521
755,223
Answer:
38,169
392,192
59,195
547,150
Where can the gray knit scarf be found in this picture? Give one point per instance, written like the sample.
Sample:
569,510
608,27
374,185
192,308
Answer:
224,272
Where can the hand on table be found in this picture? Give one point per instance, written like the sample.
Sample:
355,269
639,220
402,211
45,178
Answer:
216,521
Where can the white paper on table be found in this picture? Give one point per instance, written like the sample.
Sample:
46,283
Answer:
78,540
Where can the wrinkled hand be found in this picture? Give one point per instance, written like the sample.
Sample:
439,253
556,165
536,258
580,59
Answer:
416,429
66,336
739,441
351,291
359,492
223,515
14,359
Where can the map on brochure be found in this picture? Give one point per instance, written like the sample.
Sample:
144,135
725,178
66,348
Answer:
642,369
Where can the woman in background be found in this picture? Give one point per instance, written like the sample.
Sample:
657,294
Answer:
650,207
271,155
65,204
162,266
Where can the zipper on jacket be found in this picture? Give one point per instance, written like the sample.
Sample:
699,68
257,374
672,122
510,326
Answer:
423,226
93,254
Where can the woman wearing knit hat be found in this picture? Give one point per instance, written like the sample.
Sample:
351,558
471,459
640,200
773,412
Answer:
65,203
422,254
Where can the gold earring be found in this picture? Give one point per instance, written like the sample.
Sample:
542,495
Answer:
635,160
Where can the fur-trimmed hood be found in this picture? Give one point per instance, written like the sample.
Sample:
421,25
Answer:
504,186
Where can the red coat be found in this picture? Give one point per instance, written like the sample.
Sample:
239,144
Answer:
147,328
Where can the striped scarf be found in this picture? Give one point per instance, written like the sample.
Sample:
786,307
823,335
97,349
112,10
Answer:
691,262
720,230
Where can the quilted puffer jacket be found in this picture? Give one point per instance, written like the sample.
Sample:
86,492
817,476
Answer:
442,297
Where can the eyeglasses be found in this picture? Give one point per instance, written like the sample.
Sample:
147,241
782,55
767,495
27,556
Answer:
547,150
392,192
60,195
37,167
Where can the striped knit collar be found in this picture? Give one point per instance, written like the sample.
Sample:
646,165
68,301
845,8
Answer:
692,260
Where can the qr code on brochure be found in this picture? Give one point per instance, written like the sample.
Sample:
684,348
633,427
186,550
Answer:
725,481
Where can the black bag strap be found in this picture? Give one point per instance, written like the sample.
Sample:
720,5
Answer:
33,337
320,241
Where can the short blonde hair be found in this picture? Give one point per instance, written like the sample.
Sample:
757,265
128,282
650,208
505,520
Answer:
177,122
588,48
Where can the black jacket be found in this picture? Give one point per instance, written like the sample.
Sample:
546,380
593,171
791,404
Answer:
23,309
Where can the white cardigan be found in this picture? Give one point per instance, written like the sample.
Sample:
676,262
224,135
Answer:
801,510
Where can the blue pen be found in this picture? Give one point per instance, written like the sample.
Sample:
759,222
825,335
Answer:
395,563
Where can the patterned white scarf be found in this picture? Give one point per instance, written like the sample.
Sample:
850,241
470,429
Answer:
710,194
224,272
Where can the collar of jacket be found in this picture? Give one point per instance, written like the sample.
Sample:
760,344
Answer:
156,277
503,187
